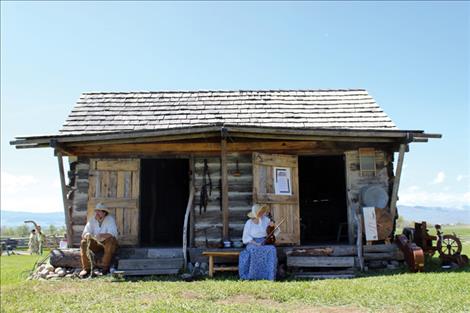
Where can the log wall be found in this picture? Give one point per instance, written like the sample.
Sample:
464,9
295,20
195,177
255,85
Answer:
208,225
79,198
355,182
206,228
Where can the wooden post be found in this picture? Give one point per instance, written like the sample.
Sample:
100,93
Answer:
224,183
396,181
211,266
68,220
192,168
360,253
185,224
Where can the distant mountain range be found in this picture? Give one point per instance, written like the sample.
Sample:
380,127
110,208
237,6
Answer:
433,215
11,218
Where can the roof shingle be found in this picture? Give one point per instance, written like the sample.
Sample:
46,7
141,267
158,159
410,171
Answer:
114,112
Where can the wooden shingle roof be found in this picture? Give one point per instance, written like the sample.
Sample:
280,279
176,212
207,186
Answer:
97,113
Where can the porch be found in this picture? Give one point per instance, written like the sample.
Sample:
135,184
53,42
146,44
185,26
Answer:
301,261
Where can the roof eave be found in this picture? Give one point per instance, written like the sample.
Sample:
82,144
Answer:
393,135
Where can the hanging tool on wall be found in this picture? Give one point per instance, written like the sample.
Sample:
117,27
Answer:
206,182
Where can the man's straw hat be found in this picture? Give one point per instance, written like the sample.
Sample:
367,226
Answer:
101,207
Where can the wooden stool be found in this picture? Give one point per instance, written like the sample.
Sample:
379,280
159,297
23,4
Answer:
212,254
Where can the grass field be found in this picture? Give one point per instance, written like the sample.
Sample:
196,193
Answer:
399,291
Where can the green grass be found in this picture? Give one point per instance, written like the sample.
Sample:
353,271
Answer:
16,268
381,291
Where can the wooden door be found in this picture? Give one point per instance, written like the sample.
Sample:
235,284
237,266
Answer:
115,183
283,199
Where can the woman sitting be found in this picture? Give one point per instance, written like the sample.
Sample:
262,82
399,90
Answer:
257,261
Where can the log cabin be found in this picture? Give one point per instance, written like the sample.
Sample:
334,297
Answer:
183,168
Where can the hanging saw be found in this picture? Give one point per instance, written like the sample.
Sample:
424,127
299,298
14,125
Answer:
206,182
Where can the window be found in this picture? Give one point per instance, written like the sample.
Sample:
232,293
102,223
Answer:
367,161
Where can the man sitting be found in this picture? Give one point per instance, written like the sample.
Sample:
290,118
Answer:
100,234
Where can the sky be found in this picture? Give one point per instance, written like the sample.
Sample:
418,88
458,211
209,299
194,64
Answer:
412,57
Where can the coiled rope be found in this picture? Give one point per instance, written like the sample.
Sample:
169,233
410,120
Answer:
90,254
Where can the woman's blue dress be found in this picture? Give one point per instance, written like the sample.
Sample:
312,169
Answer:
258,262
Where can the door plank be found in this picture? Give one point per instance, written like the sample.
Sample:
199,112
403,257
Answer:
281,206
115,183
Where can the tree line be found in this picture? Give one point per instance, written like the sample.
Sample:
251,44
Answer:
25,230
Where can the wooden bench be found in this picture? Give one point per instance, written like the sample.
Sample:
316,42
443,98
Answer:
222,254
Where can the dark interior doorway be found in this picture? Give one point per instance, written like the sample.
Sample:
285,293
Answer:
164,196
322,189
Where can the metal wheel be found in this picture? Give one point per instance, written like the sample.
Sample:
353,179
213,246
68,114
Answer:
449,246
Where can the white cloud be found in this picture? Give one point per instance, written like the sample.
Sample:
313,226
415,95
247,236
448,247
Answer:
462,177
30,194
16,183
413,188
439,178
46,203
56,183
435,199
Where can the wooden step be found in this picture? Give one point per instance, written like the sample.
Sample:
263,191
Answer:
347,273
150,264
320,261
168,271
150,253
314,275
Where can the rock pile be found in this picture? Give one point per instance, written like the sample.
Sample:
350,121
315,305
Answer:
47,271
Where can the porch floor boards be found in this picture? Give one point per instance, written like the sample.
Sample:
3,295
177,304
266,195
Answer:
150,261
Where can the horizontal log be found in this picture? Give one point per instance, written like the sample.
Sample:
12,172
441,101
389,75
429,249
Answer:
381,248
397,255
70,258
176,148
213,217
211,149
246,178
78,219
345,250
78,229
301,261
167,271
147,264
214,166
207,226
115,202
150,253
232,195
214,206
240,186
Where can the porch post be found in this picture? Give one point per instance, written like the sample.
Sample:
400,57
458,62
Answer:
396,181
224,183
68,224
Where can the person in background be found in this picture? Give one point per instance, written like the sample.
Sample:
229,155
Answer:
257,261
41,239
100,234
33,243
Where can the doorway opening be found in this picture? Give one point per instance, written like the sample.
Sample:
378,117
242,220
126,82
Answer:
322,191
164,197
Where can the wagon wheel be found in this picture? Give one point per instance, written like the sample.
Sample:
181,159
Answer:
449,246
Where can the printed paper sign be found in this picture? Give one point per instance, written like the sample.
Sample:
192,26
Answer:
282,181
370,223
